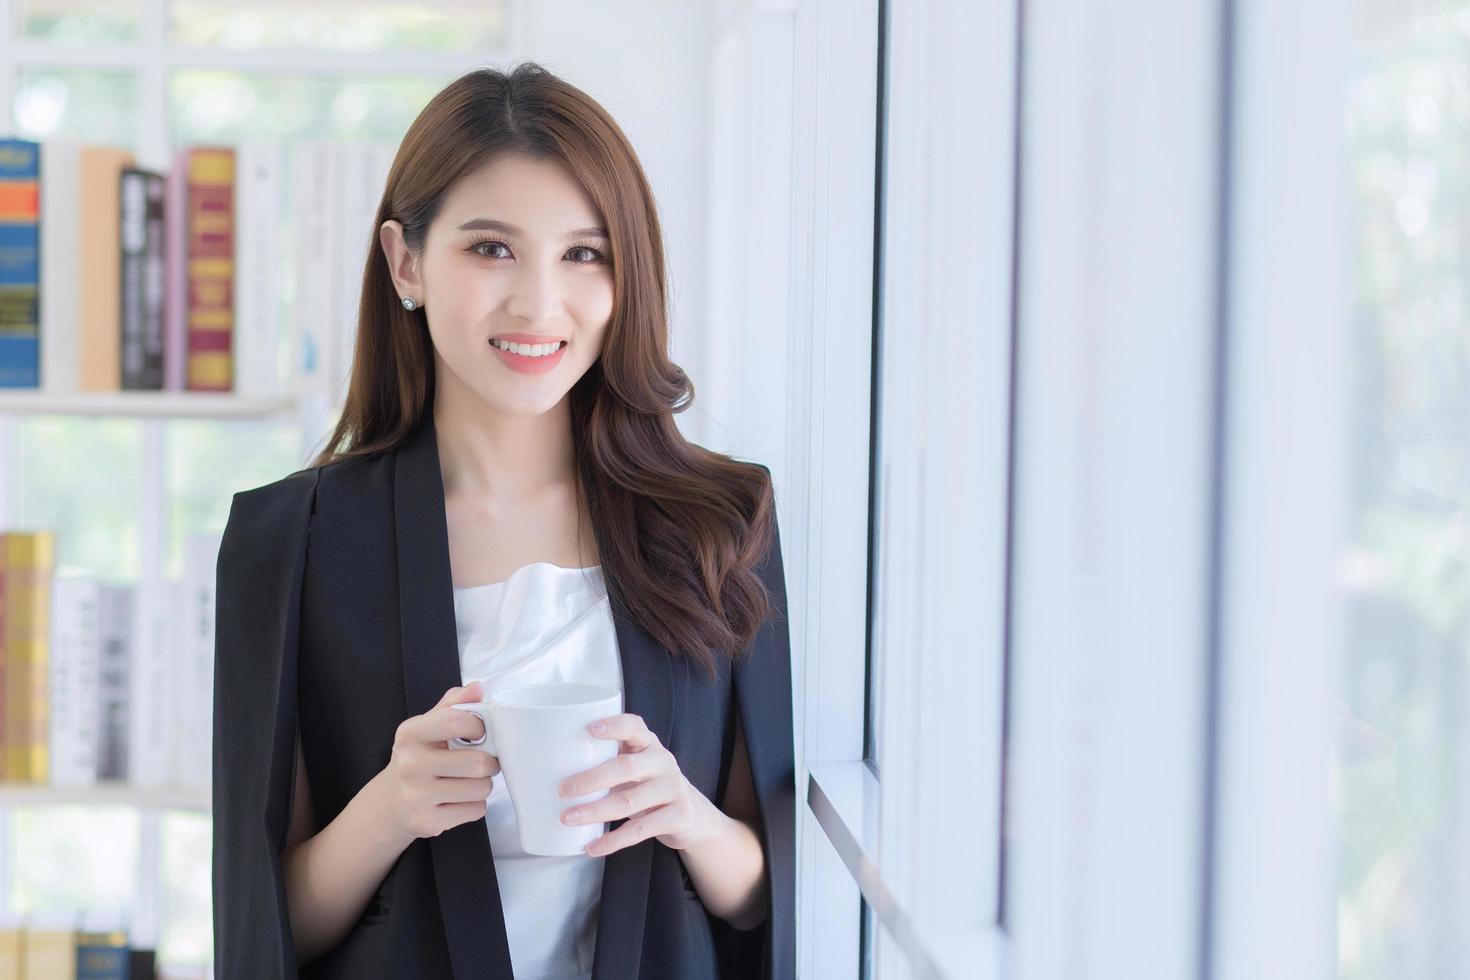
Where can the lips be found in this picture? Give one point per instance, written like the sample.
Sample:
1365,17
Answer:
529,365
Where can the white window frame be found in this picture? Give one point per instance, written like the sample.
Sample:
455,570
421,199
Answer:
920,838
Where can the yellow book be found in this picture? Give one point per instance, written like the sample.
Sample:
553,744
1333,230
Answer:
49,953
10,947
30,559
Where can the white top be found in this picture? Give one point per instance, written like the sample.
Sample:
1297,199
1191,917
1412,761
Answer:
544,623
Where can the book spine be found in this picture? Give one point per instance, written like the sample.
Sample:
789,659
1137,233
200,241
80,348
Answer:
30,558
175,304
61,367
201,557
153,284
312,206
11,939
20,263
112,690
133,228
102,956
72,699
141,308
210,265
152,685
50,953
100,332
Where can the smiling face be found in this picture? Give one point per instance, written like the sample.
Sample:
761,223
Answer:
516,258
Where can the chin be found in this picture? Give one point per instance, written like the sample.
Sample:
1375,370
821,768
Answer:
526,408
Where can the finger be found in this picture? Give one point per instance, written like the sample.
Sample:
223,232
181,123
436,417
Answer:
446,722
650,823
425,727
453,814
629,767
629,729
450,790
473,691
462,764
624,801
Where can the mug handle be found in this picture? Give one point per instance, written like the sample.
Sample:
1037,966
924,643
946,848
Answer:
485,742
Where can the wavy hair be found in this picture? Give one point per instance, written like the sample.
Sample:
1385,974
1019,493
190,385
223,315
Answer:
681,531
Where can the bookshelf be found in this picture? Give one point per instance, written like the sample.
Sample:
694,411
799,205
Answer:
146,404
163,107
107,794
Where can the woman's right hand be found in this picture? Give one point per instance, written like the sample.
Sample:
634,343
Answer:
431,787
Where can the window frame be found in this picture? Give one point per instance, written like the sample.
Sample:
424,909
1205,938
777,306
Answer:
910,839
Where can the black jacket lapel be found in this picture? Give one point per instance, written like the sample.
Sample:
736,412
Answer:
648,691
469,895
464,870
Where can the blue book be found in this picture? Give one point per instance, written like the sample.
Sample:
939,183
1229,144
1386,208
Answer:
20,264
103,956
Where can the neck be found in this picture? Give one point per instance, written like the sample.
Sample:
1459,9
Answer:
492,454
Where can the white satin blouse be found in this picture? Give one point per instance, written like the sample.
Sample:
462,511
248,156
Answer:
545,622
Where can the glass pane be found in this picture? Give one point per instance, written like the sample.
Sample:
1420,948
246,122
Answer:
360,25
77,103
79,21
1401,783
79,477
188,929
222,106
72,858
209,461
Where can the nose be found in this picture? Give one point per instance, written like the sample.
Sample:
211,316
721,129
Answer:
535,293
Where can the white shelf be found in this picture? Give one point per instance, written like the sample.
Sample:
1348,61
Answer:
106,794
171,404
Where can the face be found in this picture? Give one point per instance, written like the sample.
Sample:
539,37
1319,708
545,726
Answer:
516,255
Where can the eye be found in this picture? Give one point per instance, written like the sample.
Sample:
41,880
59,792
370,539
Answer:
596,256
488,241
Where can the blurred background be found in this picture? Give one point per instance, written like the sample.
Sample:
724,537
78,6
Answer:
1112,362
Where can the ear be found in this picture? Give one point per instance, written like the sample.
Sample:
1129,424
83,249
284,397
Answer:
402,263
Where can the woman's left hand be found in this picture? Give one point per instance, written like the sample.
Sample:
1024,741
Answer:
646,786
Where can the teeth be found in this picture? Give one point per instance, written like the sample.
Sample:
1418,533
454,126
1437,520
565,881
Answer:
528,350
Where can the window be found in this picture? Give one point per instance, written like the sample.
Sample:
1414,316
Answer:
1399,766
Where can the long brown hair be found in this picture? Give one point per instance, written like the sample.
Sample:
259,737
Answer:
680,530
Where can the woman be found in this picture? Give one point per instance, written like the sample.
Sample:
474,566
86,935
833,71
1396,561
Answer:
510,390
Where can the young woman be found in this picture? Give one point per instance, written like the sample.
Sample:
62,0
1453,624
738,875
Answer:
505,500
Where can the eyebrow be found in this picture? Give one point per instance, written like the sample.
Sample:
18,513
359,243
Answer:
490,224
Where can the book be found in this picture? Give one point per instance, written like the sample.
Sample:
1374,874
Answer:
75,727
193,740
141,309
115,625
259,269
175,285
153,683
61,291
210,264
20,263
30,557
100,266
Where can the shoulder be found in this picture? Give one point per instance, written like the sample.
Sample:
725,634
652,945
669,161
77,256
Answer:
274,512
298,493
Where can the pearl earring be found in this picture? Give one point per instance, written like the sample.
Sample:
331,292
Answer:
408,303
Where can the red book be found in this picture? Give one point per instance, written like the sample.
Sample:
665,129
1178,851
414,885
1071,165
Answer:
210,242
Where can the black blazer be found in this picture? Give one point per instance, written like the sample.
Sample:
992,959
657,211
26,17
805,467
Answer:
334,593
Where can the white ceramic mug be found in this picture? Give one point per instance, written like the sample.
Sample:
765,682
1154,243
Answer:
539,733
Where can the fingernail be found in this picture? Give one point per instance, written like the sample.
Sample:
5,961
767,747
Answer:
598,727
